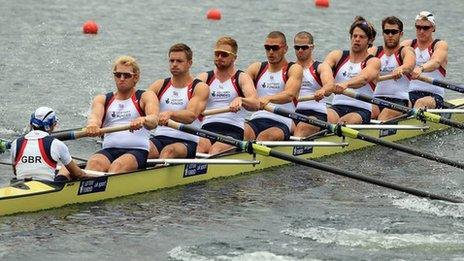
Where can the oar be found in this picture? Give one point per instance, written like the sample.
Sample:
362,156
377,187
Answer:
70,135
345,131
227,109
442,84
418,113
263,150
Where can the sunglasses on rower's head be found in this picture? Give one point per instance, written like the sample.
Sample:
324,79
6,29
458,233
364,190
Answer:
125,74
391,31
423,27
269,47
302,47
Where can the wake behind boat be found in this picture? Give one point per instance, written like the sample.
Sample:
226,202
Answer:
34,195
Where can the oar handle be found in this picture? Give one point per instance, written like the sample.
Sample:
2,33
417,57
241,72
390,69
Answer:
442,84
385,78
306,98
425,79
216,111
72,135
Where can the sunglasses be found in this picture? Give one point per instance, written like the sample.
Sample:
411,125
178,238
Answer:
125,74
302,47
391,31
423,27
223,53
269,47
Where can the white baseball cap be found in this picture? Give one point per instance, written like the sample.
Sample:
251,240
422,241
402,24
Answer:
427,15
43,118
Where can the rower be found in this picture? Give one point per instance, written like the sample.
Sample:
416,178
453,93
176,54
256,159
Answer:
355,69
125,150
431,61
397,61
228,87
277,82
312,84
37,154
182,98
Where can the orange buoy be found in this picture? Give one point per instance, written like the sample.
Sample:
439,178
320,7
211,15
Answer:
90,27
213,14
321,3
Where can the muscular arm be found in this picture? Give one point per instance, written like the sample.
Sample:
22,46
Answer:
95,118
150,105
409,59
327,80
439,57
252,70
250,101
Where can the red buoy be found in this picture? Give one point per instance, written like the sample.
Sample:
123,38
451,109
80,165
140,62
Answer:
321,3
213,14
90,27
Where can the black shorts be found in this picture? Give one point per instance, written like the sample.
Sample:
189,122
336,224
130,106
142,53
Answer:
113,153
405,103
342,110
162,141
416,95
261,124
319,115
224,129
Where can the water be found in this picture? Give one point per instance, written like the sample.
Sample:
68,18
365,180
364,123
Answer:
290,213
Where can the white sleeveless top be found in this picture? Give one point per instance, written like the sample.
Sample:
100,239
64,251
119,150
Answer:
121,112
347,71
398,89
422,56
33,163
221,95
175,99
309,85
271,83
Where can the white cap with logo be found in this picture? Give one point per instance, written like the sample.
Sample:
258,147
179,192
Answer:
43,118
426,15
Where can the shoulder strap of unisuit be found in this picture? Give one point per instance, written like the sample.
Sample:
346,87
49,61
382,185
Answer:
191,87
432,46
45,145
210,77
109,98
236,83
261,71
164,87
136,98
343,60
414,43
285,71
399,57
379,51
313,70
20,146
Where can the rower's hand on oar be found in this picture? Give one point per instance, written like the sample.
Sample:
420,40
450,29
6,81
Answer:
93,131
416,72
164,117
339,88
263,101
137,123
397,73
320,94
236,104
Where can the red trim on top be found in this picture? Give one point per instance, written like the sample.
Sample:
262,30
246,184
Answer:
136,104
19,153
284,73
373,85
442,70
190,90
314,74
382,52
341,65
261,74
234,81
165,89
47,160
212,78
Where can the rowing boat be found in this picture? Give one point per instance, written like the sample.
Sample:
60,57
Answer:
34,195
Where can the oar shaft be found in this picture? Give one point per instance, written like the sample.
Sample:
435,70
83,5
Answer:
345,131
216,111
352,175
306,98
263,150
72,135
443,84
